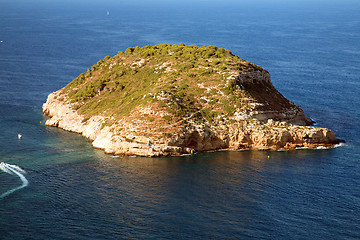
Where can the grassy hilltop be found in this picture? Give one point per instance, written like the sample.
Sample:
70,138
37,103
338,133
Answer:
179,79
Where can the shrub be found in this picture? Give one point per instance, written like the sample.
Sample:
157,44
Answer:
129,50
128,140
222,68
229,110
213,91
121,88
208,114
167,118
230,87
216,62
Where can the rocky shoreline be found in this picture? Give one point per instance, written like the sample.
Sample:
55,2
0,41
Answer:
242,132
63,116
167,100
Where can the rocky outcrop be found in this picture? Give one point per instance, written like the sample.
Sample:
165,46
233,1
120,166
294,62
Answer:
103,137
244,131
252,77
167,100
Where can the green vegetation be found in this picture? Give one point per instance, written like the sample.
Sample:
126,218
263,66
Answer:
167,118
208,114
180,79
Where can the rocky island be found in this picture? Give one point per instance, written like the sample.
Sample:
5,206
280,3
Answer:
174,99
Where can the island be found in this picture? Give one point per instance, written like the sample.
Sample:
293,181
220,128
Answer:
168,100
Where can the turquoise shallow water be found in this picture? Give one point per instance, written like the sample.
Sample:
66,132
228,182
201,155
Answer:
312,52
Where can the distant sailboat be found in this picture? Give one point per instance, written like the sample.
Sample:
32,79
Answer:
108,13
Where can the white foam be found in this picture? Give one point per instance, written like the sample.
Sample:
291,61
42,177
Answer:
301,148
4,168
17,168
321,148
339,145
13,169
185,154
242,150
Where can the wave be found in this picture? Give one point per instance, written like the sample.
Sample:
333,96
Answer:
17,168
322,147
339,145
301,148
5,169
13,169
335,146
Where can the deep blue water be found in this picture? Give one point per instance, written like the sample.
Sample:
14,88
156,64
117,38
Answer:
310,48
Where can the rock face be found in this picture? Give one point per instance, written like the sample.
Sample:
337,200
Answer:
215,101
260,130
63,116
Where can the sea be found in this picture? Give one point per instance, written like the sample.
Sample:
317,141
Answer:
54,185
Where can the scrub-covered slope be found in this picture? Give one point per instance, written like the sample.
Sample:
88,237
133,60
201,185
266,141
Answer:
176,99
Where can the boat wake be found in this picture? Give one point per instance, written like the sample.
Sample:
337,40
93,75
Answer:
13,169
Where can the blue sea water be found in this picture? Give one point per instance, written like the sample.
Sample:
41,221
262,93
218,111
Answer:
310,48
